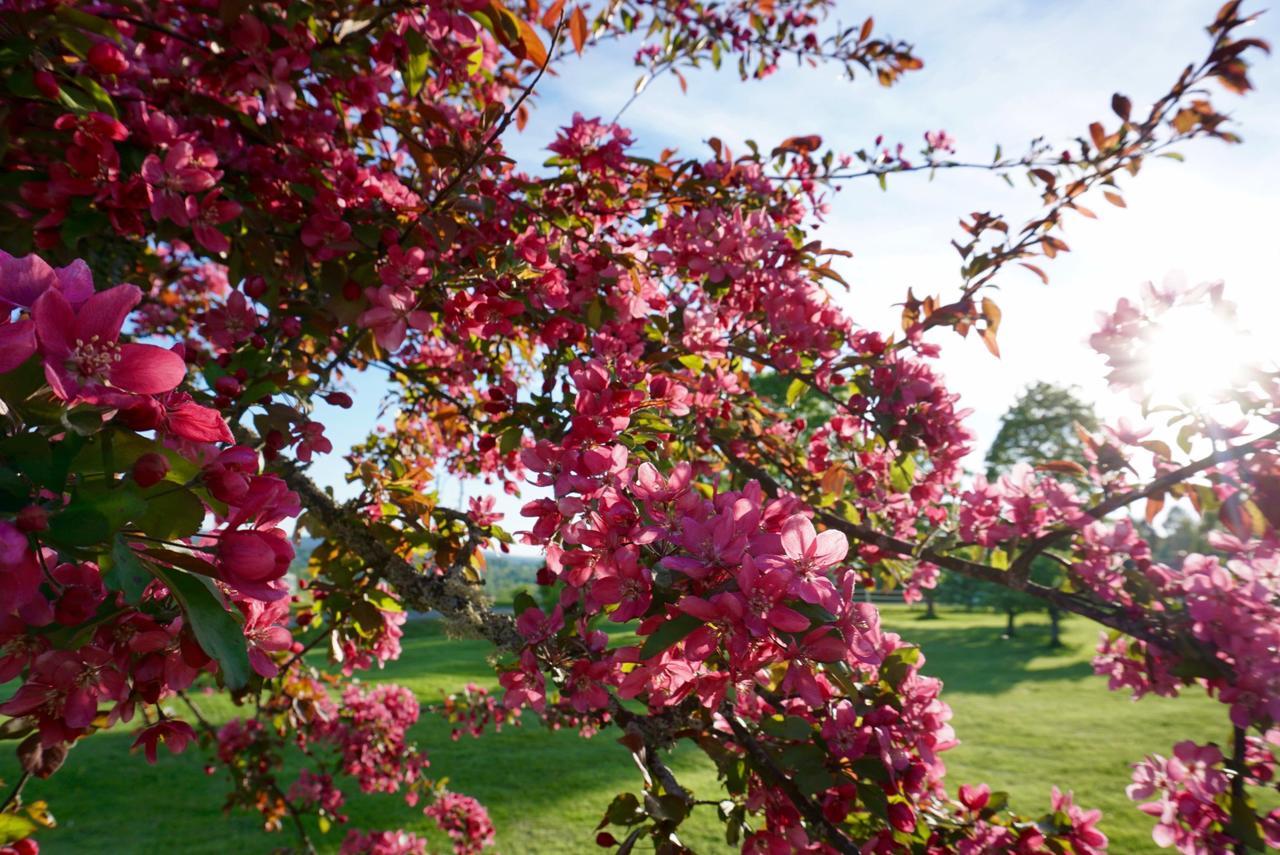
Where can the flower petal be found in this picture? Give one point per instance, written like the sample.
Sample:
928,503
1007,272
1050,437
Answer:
17,343
55,324
103,314
23,280
147,369
76,281
830,549
797,537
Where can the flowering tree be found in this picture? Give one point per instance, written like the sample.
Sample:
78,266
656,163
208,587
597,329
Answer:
216,213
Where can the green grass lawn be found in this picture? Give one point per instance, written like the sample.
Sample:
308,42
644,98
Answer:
1027,717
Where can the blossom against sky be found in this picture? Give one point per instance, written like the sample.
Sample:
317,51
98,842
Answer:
995,73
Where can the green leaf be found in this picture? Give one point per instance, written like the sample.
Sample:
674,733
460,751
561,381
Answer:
786,727
510,440
172,514
693,362
668,634
415,70
30,454
623,810
219,633
522,603
125,572
22,82
808,767
898,664
92,518
92,23
795,390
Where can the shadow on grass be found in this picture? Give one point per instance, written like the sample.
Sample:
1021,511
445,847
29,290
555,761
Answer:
109,799
978,660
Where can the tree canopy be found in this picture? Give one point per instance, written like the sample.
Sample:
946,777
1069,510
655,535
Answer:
214,215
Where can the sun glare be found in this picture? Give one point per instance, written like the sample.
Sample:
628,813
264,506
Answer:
1196,355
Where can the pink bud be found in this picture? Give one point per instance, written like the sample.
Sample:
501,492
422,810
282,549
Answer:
255,287
339,399
47,84
248,555
106,58
227,385
33,518
150,469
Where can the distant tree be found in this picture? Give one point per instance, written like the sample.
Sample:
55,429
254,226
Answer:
1184,533
1039,427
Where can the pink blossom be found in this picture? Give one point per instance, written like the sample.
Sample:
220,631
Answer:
83,355
172,733
810,554
391,314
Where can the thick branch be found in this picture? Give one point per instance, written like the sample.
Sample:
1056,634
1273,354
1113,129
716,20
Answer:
446,592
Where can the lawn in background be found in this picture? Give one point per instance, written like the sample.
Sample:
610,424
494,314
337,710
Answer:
1027,717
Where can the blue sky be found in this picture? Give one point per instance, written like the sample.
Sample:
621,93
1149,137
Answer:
995,72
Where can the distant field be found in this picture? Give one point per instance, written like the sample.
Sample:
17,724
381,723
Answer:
1027,717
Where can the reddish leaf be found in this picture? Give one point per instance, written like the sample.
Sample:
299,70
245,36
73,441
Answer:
1064,467
535,50
578,29
1121,105
552,17
1044,277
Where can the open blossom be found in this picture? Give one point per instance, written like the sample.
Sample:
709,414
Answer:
233,323
82,352
182,171
383,843
205,215
465,821
393,310
1182,793
22,281
810,555
172,733
940,141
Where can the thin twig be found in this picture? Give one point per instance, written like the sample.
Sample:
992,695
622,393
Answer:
16,791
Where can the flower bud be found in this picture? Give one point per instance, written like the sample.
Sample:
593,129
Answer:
106,58
33,518
150,469
227,385
47,84
339,399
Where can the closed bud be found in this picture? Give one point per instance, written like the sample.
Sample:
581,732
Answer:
339,399
150,469
106,58
227,385
255,287
47,84
33,518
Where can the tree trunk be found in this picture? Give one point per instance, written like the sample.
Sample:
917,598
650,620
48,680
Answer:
1055,627
1008,628
930,612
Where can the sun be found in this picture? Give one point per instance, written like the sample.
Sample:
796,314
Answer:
1196,354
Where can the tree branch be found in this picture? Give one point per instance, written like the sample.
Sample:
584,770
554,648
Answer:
444,592
1157,486
775,777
